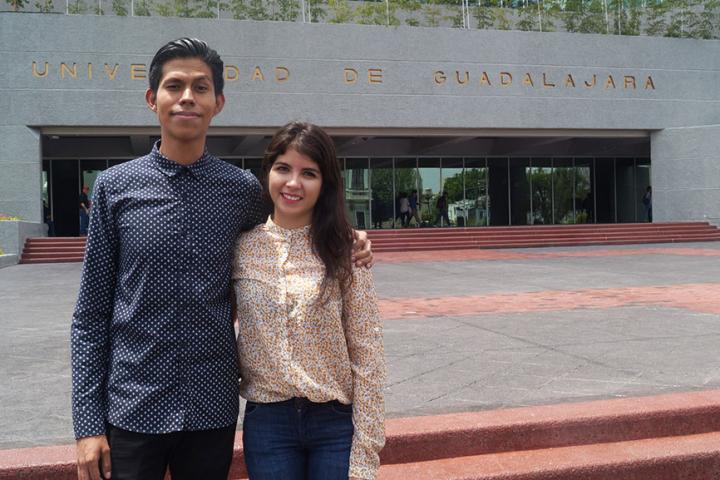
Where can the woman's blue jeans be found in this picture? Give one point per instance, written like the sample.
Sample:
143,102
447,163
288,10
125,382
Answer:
297,440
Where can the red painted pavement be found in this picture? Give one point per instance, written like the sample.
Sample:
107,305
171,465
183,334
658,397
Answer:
700,297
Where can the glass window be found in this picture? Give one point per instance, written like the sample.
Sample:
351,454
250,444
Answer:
89,171
383,192
642,183
584,194
520,191
357,191
605,187
563,190
406,180
453,186
541,180
428,190
499,201
625,187
476,192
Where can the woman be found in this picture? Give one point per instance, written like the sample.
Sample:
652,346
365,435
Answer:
310,341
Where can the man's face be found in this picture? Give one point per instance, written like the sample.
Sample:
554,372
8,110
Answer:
185,101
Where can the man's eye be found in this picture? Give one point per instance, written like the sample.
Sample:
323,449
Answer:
202,88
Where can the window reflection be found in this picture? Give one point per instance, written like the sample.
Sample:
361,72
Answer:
541,180
357,192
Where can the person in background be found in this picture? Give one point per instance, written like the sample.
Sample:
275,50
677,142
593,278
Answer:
310,337
647,202
84,210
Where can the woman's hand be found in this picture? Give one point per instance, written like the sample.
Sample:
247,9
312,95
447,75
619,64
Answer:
362,254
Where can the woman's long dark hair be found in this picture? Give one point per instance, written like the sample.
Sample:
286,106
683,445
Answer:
332,235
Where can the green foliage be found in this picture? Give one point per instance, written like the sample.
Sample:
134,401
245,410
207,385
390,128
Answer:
432,14
708,20
484,16
656,23
341,11
44,6
119,8
142,8
376,13
77,7
17,5
528,19
503,22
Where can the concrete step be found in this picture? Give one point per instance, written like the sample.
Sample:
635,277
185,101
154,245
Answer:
546,243
694,457
539,237
656,438
59,259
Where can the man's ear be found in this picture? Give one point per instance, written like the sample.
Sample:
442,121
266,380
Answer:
150,99
219,103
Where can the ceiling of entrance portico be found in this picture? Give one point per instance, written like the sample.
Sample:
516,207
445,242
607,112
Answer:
131,145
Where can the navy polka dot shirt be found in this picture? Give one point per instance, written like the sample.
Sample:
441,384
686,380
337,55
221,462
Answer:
153,345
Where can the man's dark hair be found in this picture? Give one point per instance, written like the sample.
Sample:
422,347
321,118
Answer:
187,48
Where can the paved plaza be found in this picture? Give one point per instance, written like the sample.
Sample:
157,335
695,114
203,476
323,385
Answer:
464,331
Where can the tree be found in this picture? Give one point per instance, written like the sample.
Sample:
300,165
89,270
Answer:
341,11
76,7
484,16
142,8
528,19
707,21
44,6
432,13
119,8
17,5
656,24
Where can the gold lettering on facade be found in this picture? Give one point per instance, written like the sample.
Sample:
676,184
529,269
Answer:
350,76
528,81
375,75
90,71
258,75
505,79
547,84
137,71
485,79
629,82
649,84
610,82
111,72
591,84
72,71
440,77
464,81
282,74
569,81
39,74
231,73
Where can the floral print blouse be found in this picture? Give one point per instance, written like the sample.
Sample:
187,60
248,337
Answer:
290,345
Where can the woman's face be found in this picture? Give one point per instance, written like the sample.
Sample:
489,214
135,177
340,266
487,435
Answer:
294,184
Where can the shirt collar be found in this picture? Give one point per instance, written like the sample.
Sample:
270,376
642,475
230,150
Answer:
273,227
171,168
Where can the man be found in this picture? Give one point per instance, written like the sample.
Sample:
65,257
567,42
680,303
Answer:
84,210
155,378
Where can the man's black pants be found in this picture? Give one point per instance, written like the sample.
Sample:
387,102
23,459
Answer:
191,455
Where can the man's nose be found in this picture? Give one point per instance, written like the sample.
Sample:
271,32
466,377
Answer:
187,96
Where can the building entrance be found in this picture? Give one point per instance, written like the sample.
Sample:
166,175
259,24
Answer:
401,182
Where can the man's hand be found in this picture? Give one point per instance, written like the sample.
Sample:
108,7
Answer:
362,254
93,454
